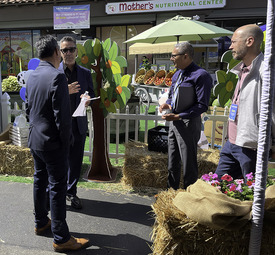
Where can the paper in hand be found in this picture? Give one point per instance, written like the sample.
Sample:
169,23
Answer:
81,109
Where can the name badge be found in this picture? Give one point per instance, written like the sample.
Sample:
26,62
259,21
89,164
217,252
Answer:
233,112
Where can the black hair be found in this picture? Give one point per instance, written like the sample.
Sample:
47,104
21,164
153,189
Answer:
46,46
68,39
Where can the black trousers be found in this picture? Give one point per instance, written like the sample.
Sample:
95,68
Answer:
51,171
183,138
75,159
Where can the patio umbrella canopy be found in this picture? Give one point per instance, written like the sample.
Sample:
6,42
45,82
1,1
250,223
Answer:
178,29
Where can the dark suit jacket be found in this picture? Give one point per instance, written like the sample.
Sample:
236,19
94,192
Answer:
48,104
85,81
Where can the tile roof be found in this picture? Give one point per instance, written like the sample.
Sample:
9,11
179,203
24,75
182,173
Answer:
2,2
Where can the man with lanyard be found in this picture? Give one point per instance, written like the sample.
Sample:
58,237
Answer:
188,98
80,81
238,156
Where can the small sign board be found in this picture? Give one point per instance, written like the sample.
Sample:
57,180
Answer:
71,17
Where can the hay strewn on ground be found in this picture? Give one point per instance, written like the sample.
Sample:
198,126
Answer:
149,168
15,160
175,234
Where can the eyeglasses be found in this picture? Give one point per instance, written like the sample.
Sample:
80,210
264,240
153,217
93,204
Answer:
65,50
174,55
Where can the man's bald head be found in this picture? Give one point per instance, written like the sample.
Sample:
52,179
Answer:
251,30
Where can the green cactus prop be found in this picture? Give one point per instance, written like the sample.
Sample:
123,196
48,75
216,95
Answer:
226,81
106,64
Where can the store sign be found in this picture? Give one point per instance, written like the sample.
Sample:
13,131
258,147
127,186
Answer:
162,5
71,17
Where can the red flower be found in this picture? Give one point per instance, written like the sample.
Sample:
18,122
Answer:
249,183
227,177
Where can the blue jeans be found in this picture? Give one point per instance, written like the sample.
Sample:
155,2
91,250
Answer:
51,169
236,161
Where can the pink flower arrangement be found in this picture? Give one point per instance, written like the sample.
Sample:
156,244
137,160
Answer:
234,188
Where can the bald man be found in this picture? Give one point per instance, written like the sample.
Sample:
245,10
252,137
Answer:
238,156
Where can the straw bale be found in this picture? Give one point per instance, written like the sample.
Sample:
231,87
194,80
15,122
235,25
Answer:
148,168
208,160
175,234
16,160
143,167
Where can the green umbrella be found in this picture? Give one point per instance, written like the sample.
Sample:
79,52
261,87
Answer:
178,29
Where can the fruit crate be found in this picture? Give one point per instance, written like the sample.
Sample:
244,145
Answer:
158,139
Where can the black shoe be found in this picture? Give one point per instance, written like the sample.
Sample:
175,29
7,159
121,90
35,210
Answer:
75,202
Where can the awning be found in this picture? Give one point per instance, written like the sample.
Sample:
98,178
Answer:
161,48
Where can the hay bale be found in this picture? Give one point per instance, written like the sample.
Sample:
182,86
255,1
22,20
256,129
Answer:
149,168
16,160
175,234
143,167
208,160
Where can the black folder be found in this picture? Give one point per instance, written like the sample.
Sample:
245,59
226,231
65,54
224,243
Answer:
186,98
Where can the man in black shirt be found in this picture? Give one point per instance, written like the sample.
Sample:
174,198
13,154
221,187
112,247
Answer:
79,81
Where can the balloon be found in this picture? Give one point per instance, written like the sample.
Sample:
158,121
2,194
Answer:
22,93
23,76
33,63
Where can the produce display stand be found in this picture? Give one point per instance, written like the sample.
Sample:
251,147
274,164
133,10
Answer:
149,94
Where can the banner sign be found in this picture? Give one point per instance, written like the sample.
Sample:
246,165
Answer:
161,5
71,17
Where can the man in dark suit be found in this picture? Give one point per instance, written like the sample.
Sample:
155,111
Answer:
47,103
189,82
79,81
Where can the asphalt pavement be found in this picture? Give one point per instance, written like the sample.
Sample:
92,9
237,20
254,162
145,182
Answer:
115,223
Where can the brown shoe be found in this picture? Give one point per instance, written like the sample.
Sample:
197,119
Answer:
72,245
41,231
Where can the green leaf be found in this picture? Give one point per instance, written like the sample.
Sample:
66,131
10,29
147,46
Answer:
121,61
96,47
116,103
115,68
223,97
107,44
113,51
81,50
127,92
111,108
221,76
117,79
110,91
103,95
125,80
227,56
233,62
217,88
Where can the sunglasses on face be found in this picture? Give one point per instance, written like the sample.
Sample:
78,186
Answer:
65,50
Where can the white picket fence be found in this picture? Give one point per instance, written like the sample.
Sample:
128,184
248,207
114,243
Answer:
136,117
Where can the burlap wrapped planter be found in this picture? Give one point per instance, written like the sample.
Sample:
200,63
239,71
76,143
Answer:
174,233
148,168
15,160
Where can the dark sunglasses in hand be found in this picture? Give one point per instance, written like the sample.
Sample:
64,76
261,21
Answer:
65,50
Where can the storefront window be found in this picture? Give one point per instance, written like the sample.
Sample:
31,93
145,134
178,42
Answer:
16,49
21,47
5,53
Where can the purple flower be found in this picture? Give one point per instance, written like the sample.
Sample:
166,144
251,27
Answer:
215,177
239,188
249,176
206,177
